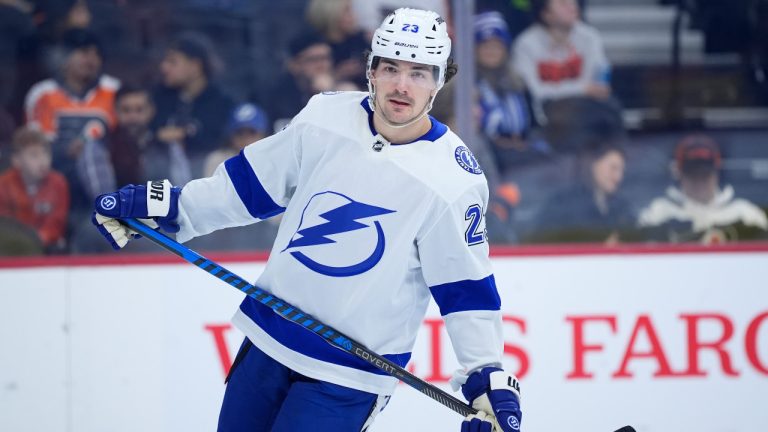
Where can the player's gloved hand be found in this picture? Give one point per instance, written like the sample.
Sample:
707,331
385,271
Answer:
157,203
480,422
497,394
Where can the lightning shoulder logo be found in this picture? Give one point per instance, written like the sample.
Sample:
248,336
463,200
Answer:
332,240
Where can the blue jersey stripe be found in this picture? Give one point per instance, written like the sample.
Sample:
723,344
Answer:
467,295
249,189
303,341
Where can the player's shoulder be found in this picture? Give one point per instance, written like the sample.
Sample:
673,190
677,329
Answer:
334,103
458,158
331,111
455,168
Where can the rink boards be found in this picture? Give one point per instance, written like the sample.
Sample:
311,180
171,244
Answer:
662,341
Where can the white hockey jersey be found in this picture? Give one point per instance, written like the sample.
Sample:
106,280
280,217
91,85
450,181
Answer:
366,238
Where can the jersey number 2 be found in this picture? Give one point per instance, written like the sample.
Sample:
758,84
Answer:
474,235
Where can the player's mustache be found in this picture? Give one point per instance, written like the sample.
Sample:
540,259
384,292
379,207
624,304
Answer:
399,96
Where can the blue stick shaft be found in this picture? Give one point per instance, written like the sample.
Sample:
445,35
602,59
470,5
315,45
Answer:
295,315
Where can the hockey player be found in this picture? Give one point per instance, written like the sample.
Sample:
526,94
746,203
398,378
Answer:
383,206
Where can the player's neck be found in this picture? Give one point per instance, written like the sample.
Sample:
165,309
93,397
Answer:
402,135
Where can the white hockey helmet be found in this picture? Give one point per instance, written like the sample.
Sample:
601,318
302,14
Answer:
413,35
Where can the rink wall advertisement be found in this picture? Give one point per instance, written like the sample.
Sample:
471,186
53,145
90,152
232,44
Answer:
661,341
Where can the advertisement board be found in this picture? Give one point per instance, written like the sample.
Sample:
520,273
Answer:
659,341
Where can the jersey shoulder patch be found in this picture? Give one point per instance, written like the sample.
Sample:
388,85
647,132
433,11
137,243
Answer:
466,160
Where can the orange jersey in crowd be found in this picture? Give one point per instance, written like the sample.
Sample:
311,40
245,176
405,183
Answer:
45,211
63,116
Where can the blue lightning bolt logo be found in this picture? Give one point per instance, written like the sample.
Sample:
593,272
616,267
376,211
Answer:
339,220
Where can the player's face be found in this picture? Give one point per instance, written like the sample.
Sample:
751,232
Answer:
608,171
33,161
403,89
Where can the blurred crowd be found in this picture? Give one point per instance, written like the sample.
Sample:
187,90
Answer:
543,103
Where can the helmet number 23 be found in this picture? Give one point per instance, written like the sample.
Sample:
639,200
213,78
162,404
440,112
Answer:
474,233
413,28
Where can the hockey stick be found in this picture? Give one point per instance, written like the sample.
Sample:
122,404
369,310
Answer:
293,314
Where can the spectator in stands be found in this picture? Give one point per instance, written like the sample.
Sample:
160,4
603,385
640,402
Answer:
39,51
56,17
505,115
75,109
592,209
247,124
190,108
309,71
699,209
32,192
336,23
560,56
134,111
136,155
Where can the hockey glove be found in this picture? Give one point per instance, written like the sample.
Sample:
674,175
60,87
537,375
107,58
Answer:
480,422
158,200
497,394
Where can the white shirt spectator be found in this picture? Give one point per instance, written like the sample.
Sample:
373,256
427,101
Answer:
554,71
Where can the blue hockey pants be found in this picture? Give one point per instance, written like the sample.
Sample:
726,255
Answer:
263,395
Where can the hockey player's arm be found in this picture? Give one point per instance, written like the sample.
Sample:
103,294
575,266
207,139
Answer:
254,185
455,264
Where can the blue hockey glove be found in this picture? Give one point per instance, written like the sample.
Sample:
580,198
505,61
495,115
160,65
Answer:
497,394
480,422
158,202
